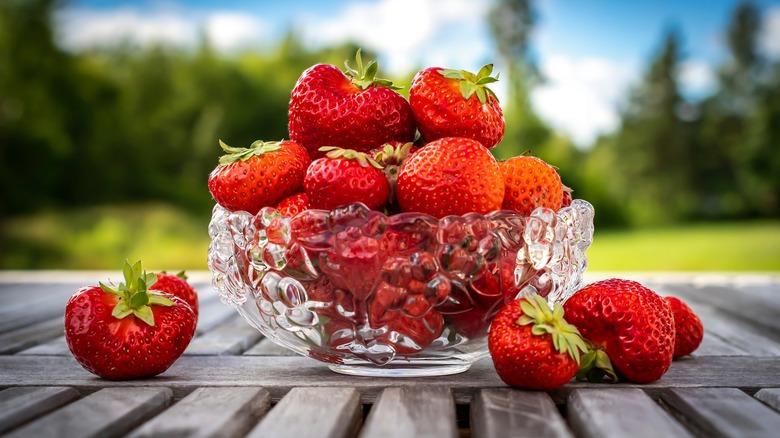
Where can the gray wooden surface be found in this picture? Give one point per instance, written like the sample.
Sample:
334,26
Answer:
233,382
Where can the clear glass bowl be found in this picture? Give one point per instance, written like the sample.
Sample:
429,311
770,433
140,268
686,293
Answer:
400,295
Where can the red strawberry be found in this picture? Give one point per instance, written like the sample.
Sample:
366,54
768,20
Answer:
530,183
406,322
177,285
293,204
450,176
688,329
260,176
532,346
356,110
129,331
457,103
344,177
633,325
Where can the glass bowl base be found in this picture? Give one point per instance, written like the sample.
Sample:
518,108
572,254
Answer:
400,370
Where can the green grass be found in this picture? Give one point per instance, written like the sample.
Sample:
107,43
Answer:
732,246
168,238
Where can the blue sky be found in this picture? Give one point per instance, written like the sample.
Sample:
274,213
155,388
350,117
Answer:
590,51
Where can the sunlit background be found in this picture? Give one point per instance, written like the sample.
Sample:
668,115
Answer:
665,115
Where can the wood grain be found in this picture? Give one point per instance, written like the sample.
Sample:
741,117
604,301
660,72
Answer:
107,413
22,404
313,412
412,412
230,338
723,412
770,396
499,413
210,412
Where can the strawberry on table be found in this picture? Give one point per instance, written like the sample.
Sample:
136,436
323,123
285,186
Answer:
450,176
688,329
128,331
629,324
532,346
259,176
457,103
177,285
357,110
529,183
343,177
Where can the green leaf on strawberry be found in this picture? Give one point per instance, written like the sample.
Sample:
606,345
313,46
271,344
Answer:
135,296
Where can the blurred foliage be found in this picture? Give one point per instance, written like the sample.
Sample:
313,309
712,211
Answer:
130,124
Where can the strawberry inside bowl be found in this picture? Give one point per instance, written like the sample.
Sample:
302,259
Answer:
392,295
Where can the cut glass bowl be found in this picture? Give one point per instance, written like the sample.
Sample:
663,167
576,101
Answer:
400,295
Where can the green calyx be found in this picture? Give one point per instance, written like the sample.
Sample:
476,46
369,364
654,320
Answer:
257,148
471,84
334,153
135,298
390,155
596,367
566,338
364,77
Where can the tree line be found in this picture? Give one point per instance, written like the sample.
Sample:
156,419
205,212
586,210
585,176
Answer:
130,123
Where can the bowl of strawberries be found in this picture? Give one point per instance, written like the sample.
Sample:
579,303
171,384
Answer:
383,236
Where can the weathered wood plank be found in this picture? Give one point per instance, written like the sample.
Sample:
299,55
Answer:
22,404
210,412
230,338
24,304
619,412
760,313
723,412
279,374
106,413
509,413
212,313
313,412
770,396
31,335
417,411
55,347
267,347
713,345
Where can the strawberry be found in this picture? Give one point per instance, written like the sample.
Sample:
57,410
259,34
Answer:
293,204
177,285
343,177
629,324
688,329
450,176
356,110
567,197
129,331
252,178
405,322
457,103
532,346
530,183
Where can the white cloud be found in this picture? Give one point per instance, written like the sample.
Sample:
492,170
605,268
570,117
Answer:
582,95
82,27
770,37
403,32
697,78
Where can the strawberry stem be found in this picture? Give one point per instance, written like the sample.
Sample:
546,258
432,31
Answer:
335,153
257,148
135,298
597,368
566,338
471,84
365,77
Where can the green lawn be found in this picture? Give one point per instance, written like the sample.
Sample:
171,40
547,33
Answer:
167,238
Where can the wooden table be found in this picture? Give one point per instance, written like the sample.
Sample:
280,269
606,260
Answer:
233,382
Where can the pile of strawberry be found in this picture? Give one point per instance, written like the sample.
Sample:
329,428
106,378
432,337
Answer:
353,139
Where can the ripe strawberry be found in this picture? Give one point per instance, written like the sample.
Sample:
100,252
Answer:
129,331
450,176
567,197
177,285
344,177
457,103
260,176
530,183
406,322
628,322
293,204
688,329
532,346
356,110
